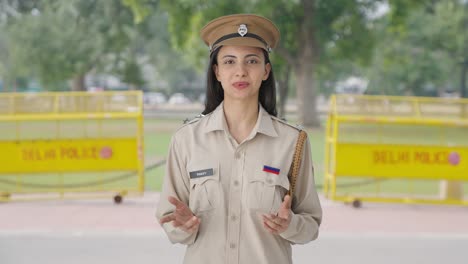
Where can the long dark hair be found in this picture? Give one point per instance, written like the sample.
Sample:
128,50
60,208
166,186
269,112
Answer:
215,93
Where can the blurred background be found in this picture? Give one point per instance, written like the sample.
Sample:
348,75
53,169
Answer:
372,47
110,50
385,47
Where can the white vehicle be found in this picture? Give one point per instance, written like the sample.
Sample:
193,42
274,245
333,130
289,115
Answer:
178,98
154,98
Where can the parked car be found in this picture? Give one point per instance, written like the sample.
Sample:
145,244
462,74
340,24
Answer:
178,98
154,98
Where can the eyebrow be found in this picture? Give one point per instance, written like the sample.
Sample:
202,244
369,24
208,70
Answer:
246,56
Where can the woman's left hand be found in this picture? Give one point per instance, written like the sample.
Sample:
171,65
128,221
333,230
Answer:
278,223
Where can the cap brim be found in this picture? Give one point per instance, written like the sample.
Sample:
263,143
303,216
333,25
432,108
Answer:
241,41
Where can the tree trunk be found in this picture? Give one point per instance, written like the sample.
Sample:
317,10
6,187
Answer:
283,90
464,68
14,85
78,83
463,92
306,59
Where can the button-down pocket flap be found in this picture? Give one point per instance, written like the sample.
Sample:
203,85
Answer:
270,179
259,177
201,174
204,186
266,191
281,180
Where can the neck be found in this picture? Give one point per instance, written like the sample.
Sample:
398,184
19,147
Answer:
241,118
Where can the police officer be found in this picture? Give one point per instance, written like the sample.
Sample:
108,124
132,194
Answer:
225,189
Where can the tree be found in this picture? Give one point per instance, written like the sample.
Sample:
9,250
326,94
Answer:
313,33
170,65
9,73
420,55
61,40
324,39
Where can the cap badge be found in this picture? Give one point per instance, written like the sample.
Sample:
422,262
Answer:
242,29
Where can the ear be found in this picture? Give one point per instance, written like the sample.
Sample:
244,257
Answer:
215,69
267,71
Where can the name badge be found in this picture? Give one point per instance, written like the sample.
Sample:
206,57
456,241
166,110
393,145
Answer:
201,173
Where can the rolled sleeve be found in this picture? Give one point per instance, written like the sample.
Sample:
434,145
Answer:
306,214
175,184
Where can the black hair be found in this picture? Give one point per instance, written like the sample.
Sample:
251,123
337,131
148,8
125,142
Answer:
215,93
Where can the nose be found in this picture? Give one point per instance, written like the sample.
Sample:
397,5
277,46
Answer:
241,70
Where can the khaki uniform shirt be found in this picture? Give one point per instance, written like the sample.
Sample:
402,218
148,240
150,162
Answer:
224,183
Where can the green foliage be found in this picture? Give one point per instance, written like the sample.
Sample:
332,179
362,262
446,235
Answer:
415,48
170,66
132,74
186,18
140,8
64,39
423,58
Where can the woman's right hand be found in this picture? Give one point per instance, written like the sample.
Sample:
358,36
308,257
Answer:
182,217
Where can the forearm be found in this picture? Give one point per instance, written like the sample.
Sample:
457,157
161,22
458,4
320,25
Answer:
177,235
175,185
306,214
302,229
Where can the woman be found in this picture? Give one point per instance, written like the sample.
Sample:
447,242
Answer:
224,194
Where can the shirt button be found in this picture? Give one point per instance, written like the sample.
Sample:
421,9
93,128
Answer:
233,217
238,155
232,245
236,183
269,181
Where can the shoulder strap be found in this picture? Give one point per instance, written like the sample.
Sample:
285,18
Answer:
296,163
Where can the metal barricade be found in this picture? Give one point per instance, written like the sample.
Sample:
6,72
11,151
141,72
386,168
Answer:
396,149
71,145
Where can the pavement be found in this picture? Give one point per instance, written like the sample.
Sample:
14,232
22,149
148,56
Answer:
97,231
137,213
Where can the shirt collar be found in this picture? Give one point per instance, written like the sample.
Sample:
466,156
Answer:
216,120
264,125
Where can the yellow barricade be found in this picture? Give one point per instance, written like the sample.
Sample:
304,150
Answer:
396,149
71,145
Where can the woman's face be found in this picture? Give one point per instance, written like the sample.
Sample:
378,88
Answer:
241,70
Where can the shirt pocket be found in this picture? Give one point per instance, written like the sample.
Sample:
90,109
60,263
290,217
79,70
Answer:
204,191
267,191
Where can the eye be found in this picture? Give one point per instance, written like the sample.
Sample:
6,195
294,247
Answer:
228,61
252,61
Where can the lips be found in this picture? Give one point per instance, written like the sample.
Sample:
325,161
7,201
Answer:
240,85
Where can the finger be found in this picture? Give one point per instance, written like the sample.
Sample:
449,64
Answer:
182,223
176,202
195,226
286,202
269,228
167,218
285,207
269,217
182,210
276,218
177,223
191,225
191,222
273,221
193,229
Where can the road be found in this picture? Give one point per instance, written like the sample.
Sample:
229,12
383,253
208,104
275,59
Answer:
97,232
153,247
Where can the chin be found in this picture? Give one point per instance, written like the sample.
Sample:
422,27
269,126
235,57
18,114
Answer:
241,97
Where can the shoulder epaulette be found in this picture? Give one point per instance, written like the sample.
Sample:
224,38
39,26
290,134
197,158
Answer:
283,121
193,120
